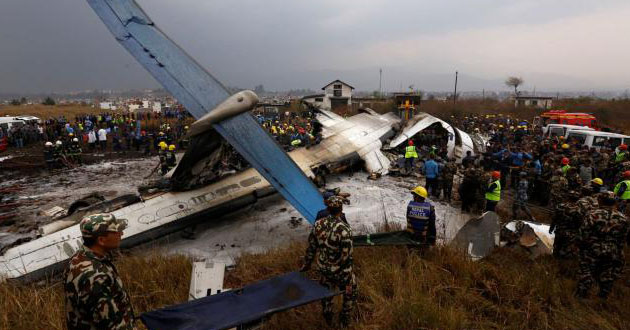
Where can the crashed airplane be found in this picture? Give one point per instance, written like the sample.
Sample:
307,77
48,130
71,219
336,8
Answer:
221,117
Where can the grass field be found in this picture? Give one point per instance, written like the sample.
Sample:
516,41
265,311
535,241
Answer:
398,290
45,112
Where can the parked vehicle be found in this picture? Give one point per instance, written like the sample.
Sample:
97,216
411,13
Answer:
598,139
562,130
567,118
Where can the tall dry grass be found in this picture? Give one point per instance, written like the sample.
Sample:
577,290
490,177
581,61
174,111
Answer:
398,289
45,112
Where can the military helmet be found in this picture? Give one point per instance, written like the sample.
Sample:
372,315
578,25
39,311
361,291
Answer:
574,194
334,202
607,197
171,147
420,191
97,224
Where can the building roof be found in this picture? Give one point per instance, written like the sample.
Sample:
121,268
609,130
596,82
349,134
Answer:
337,81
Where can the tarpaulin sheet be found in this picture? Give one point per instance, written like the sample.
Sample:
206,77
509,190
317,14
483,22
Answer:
391,238
229,309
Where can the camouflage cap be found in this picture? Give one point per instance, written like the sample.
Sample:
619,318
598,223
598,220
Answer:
97,224
335,201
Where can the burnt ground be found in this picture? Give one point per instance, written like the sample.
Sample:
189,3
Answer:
28,188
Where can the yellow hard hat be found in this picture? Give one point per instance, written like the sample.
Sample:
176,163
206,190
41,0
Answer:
162,143
163,146
70,134
598,181
185,127
565,146
171,147
420,191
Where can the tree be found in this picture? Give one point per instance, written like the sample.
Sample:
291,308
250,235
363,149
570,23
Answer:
15,102
48,101
514,82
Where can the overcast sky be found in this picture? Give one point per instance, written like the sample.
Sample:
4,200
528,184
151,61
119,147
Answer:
61,45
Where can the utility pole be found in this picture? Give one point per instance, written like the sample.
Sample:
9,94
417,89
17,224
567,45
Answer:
455,93
380,81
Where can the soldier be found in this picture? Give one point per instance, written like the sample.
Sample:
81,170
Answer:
467,189
602,237
565,223
95,297
331,239
520,202
447,174
559,185
573,179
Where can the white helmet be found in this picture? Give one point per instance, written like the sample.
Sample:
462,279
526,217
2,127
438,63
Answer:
59,143
49,144
75,140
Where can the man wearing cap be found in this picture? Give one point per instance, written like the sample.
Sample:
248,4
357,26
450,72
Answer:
331,241
95,297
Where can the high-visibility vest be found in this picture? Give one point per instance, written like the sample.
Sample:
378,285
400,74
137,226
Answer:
410,152
494,195
565,169
620,157
626,193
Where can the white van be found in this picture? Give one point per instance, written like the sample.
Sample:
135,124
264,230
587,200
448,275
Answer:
598,139
7,122
561,129
29,119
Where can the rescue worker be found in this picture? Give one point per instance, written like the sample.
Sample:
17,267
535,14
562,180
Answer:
622,191
162,155
94,293
410,155
493,192
75,151
431,172
183,143
421,217
171,159
59,154
331,240
49,155
602,238
565,165
565,224
621,155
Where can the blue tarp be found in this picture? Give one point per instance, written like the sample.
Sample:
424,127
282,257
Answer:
229,309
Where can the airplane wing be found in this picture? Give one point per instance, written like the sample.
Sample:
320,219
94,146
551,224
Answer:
200,93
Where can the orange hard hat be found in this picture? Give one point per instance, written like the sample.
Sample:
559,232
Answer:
623,147
410,142
626,174
496,174
565,161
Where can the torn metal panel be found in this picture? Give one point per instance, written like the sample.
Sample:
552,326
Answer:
420,122
200,93
533,237
206,279
479,236
463,144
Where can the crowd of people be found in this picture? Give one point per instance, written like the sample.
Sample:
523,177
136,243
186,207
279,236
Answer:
585,190
292,131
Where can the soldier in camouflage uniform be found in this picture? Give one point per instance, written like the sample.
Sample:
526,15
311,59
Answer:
559,185
602,238
95,297
447,174
331,240
566,223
